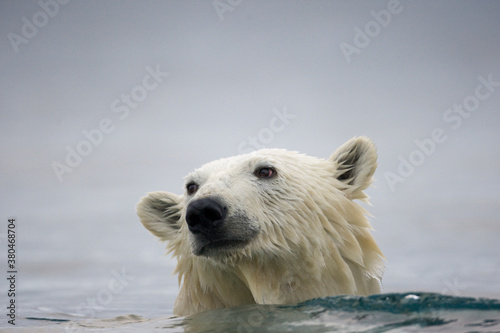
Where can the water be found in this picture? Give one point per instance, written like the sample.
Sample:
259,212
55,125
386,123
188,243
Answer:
395,312
119,282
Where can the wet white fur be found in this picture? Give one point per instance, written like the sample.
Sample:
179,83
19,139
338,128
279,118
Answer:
313,240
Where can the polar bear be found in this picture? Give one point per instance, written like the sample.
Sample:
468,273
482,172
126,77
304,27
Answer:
270,227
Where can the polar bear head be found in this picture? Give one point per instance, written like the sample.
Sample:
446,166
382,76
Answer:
287,216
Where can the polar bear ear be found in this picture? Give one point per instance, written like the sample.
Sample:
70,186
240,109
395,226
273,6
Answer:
160,213
355,161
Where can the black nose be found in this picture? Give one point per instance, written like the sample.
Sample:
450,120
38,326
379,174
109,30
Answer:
204,214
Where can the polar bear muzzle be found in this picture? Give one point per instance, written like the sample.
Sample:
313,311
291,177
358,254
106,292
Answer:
214,231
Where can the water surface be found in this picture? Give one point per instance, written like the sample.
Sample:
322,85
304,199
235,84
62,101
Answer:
396,312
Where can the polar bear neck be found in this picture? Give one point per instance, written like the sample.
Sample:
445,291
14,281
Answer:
279,281
210,285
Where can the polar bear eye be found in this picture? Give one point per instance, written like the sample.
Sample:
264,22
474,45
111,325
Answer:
265,172
191,188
